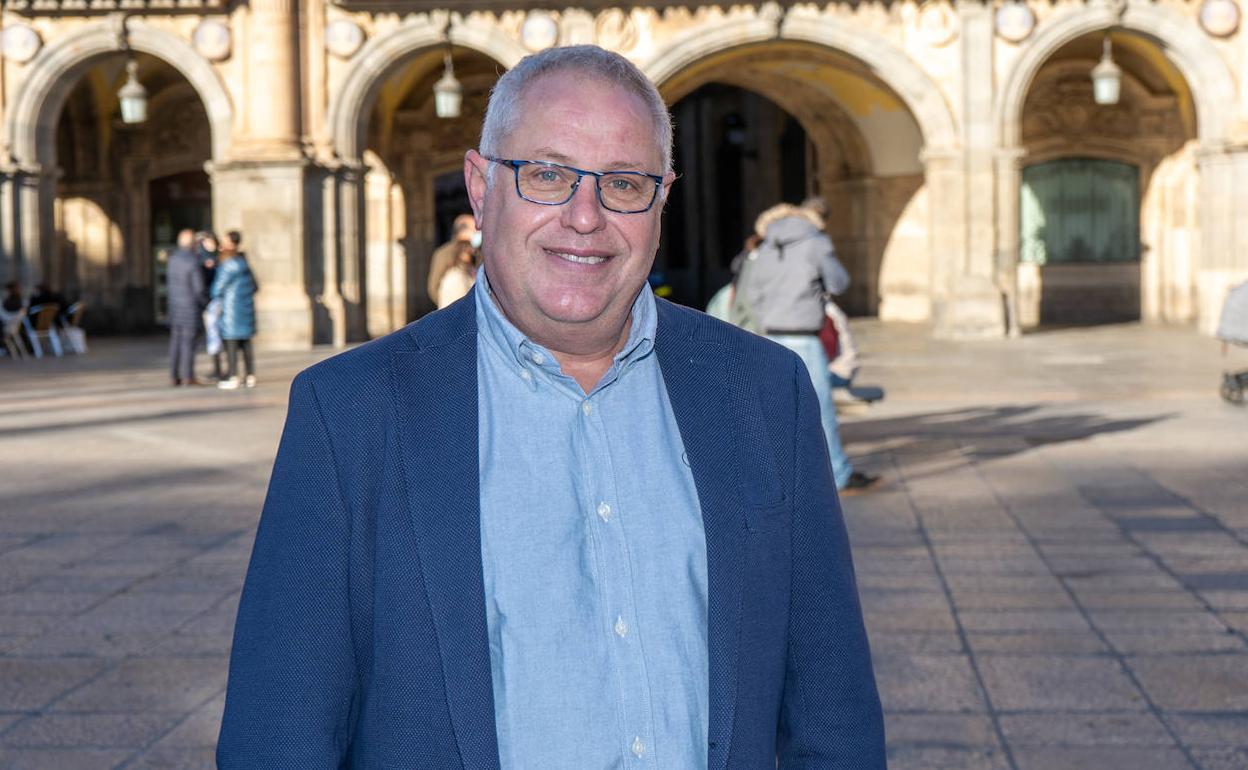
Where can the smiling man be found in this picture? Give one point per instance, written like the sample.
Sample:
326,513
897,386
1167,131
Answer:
559,524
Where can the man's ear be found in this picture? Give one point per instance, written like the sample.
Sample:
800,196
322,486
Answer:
475,169
668,178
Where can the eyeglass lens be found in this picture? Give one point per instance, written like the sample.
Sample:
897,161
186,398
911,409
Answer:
553,184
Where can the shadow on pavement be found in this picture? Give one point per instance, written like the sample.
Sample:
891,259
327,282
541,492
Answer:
984,433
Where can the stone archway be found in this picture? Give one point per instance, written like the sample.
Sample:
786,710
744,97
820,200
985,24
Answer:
1188,47
1212,88
892,66
349,107
28,212
51,76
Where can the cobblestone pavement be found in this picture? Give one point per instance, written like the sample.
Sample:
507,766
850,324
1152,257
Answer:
1055,572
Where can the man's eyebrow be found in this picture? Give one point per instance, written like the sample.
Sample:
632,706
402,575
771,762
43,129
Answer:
546,153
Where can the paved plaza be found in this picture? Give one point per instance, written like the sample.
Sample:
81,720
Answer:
1054,573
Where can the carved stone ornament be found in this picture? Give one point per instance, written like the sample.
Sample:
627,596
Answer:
539,31
343,38
1220,18
615,30
938,24
20,43
1015,21
212,39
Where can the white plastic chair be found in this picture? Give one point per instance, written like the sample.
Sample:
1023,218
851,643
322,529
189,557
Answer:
40,323
13,336
71,328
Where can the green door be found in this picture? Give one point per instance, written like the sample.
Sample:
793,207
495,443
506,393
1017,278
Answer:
1080,211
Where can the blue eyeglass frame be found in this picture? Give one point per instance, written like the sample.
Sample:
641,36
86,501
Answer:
515,166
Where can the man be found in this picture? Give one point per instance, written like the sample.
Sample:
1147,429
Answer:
559,524
783,286
186,296
463,230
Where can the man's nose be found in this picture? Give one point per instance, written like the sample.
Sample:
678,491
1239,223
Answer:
583,213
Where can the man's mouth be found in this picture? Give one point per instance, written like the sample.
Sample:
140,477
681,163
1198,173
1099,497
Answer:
581,258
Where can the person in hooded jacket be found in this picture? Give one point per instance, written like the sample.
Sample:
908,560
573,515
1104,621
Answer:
235,287
784,284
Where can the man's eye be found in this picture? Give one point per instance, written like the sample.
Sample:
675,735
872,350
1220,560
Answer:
548,175
623,184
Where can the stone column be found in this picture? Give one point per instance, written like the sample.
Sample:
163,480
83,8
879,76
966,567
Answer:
1223,229
272,192
1009,180
276,205
272,116
974,306
27,198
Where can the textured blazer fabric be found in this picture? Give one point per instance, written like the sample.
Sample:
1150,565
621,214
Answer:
361,636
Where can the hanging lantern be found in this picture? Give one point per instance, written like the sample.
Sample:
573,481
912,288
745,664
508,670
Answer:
1106,78
448,94
133,96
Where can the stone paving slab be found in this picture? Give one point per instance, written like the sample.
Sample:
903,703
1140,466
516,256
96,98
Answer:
1054,573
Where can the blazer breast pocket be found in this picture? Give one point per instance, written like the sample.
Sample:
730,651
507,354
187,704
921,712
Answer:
767,517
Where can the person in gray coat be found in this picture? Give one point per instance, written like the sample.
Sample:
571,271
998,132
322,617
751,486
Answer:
185,281
783,284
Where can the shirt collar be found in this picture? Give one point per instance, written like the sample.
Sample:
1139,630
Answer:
502,334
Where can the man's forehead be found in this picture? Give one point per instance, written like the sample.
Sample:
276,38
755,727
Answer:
575,92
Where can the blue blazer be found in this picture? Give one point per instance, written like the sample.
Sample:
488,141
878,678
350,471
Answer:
361,634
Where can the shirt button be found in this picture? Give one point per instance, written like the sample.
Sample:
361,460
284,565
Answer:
604,511
539,359
621,628
586,408
524,375
639,748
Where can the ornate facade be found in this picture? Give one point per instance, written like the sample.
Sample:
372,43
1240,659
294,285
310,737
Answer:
972,180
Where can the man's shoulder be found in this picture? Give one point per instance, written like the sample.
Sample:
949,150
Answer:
367,368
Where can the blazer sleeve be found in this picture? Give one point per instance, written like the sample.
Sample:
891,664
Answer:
292,689
830,715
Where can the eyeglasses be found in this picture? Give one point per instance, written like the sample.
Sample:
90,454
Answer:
554,184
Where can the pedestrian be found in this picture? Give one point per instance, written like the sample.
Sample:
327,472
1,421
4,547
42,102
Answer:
235,287
458,280
184,280
784,284
463,230
566,524
206,245
723,301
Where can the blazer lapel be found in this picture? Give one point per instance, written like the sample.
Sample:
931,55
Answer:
435,388
699,389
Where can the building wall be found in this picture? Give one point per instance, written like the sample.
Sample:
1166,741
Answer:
940,95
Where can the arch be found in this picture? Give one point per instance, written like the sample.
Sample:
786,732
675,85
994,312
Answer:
892,66
1187,46
52,75
349,107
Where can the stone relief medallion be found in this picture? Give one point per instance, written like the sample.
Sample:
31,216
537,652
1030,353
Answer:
20,43
1015,21
1220,18
343,38
539,31
615,30
938,24
212,39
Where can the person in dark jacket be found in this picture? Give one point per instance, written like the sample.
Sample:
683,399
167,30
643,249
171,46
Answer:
235,287
185,281
206,248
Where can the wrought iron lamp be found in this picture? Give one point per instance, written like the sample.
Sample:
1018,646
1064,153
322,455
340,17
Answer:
133,96
1106,77
448,94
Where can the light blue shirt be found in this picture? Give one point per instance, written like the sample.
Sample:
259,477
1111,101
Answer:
593,555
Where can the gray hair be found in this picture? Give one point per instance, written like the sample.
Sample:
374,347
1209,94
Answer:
502,113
